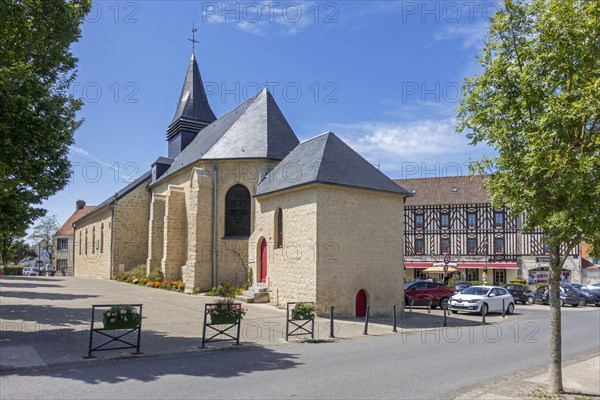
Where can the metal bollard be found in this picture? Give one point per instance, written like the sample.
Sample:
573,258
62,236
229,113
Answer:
412,303
428,306
445,307
365,332
503,309
331,335
483,313
394,330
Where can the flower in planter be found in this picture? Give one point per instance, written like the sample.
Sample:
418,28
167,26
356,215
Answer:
120,313
227,308
303,311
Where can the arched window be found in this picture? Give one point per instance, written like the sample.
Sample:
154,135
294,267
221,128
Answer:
237,212
79,242
279,228
102,238
93,240
86,241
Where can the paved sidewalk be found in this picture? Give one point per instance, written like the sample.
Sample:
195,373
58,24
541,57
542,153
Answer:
581,381
45,321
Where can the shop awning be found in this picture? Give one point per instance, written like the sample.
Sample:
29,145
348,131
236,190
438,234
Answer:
496,265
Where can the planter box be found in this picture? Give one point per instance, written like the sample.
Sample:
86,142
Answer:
223,319
131,324
300,317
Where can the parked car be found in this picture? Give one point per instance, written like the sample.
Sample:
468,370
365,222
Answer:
567,296
461,285
47,270
421,292
518,292
30,271
588,297
482,299
594,286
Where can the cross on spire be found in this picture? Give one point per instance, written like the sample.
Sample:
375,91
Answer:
193,39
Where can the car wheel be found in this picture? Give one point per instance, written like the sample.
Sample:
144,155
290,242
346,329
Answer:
562,303
583,302
524,302
484,309
575,305
444,303
510,309
456,312
530,300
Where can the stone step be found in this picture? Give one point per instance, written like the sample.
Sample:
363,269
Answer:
245,299
257,289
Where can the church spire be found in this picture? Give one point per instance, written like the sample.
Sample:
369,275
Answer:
193,111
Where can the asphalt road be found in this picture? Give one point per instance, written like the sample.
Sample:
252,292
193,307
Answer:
415,365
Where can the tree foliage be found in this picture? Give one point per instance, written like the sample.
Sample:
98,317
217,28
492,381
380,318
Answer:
537,103
37,113
43,234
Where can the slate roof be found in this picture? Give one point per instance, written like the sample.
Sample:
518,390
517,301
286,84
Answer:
119,194
193,103
255,129
438,191
67,228
326,159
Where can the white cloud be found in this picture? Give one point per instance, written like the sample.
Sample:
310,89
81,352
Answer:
472,34
265,17
393,145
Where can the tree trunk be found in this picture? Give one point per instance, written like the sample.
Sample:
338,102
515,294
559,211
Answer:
555,369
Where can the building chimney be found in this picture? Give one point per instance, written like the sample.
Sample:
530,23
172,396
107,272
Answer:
79,204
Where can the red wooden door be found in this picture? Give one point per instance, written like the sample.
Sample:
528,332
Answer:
361,303
263,261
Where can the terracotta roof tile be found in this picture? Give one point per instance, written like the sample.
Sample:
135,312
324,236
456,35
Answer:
447,190
67,228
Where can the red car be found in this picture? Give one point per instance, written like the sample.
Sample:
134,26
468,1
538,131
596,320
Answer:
421,292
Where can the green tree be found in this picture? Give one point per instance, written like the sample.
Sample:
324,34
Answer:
13,248
537,103
37,113
43,234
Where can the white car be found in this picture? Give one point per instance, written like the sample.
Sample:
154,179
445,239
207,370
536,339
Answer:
30,271
482,299
594,286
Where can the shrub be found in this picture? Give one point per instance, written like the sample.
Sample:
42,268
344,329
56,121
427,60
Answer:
138,271
156,274
196,290
224,290
518,281
13,269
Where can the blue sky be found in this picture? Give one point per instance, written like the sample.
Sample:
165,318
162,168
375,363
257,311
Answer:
383,75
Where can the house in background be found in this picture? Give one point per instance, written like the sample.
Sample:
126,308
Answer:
64,239
454,215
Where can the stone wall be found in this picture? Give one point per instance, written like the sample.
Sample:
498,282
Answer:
131,229
360,246
93,260
291,269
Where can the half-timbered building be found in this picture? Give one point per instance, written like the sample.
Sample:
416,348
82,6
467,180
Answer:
454,215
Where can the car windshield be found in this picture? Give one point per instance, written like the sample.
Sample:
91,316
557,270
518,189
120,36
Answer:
513,287
408,285
477,290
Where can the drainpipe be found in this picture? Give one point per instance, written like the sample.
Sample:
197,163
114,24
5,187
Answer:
112,236
73,258
214,226
148,255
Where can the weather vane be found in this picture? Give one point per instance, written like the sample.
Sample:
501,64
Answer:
193,39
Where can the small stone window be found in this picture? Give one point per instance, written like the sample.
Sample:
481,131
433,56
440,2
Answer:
279,228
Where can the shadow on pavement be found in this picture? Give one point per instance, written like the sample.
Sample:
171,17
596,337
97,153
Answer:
43,295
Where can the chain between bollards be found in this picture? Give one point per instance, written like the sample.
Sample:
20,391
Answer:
395,330
331,335
365,332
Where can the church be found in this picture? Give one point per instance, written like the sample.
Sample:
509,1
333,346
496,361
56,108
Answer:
312,221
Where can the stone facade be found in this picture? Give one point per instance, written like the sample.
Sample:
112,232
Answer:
112,238
180,238
335,243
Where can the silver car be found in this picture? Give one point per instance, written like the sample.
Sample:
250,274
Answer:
482,299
